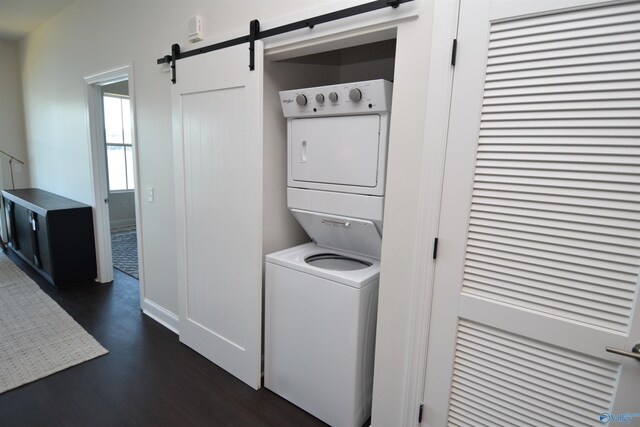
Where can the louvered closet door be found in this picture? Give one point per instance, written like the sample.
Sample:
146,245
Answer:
537,269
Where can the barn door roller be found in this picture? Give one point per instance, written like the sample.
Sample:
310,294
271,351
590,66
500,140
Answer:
256,34
254,30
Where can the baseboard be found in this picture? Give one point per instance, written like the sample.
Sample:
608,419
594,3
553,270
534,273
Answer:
122,223
161,315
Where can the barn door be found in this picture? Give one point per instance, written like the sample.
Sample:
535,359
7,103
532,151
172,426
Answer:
217,121
537,269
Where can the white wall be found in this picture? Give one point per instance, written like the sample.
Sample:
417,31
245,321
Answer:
371,62
122,210
12,131
92,36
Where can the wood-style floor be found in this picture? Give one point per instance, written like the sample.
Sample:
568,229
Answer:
148,378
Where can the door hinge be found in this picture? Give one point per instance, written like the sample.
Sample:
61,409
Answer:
435,248
420,410
454,51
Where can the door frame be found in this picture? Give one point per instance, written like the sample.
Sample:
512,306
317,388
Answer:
440,88
98,166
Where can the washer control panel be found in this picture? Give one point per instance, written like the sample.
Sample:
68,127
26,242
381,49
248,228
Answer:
371,96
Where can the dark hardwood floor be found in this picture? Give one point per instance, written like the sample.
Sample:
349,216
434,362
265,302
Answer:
148,378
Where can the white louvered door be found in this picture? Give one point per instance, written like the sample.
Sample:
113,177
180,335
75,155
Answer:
539,239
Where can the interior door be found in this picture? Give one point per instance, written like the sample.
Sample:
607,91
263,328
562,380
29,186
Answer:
217,124
539,239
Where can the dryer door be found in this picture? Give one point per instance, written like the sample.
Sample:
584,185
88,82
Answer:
335,150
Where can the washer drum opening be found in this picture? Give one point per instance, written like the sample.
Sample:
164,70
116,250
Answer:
329,261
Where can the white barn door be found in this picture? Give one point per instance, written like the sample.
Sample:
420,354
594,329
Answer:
217,122
537,269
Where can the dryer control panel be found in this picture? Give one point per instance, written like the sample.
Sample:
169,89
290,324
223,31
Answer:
373,96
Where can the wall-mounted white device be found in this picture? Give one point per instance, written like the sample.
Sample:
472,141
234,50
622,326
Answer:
195,29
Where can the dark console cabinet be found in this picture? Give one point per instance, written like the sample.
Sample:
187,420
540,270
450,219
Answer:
53,234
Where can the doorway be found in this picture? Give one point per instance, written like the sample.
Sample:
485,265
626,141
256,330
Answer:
121,181
114,161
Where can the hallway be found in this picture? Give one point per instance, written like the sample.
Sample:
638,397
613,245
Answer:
124,250
148,378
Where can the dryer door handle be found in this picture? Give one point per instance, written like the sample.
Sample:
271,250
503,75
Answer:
303,151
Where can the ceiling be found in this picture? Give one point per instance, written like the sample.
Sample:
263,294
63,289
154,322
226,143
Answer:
19,17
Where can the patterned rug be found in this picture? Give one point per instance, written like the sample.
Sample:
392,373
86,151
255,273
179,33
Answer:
37,337
124,250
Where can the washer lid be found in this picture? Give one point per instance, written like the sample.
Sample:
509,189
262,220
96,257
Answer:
356,236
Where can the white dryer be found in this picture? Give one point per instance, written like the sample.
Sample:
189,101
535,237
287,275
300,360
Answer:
337,148
321,298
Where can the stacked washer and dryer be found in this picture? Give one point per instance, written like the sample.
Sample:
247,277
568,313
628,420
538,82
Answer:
321,297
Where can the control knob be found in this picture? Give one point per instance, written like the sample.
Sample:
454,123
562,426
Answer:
320,98
355,95
333,97
301,100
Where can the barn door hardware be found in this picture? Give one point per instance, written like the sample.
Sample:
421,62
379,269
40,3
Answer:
175,53
254,30
256,34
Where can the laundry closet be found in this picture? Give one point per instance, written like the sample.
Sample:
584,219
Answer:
230,160
321,297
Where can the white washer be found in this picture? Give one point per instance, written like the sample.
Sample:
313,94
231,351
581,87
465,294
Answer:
320,323
321,303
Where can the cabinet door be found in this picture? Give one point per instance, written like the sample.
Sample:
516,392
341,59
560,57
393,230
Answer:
23,231
42,242
8,212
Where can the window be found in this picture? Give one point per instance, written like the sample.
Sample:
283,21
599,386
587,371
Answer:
117,130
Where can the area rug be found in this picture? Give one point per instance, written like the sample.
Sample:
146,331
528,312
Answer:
37,337
124,250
